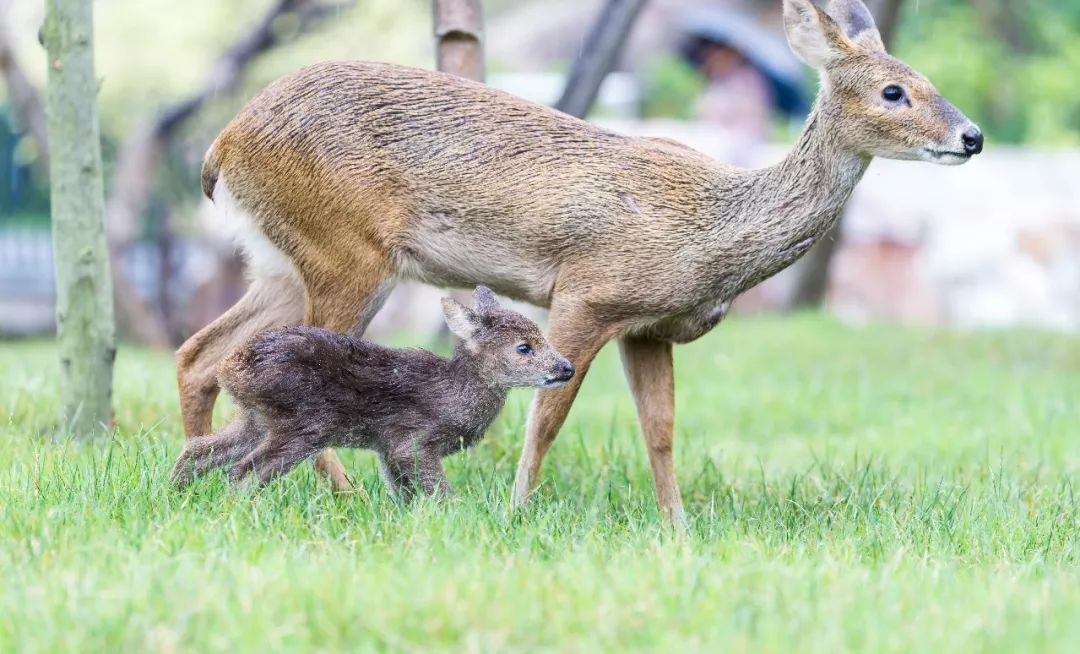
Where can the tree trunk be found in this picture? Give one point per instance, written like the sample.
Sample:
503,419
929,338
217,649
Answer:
84,304
812,272
459,50
458,33
599,55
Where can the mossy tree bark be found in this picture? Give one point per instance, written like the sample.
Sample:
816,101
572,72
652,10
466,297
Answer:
84,303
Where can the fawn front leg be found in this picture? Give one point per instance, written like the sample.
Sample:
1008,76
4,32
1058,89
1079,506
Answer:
407,471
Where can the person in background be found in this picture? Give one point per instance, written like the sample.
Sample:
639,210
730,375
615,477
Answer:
749,72
737,96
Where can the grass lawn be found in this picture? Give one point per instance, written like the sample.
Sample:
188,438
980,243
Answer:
849,489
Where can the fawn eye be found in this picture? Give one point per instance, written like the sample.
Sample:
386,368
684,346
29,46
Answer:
524,348
893,93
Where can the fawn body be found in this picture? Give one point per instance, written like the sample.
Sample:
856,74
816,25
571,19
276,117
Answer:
348,176
303,389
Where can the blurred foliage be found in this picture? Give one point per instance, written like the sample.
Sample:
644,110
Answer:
1017,76
1010,65
670,88
153,53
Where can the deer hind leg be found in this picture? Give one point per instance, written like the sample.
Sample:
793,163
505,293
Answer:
650,374
345,299
271,301
578,337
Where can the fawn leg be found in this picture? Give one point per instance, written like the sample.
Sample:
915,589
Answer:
272,301
203,453
405,472
578,336
650,374
273,457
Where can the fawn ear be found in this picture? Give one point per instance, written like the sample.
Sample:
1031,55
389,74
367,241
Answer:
485,299
459,318
857,22
814,36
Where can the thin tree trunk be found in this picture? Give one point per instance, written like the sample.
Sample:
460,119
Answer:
84,303
459,48
812,272
599,55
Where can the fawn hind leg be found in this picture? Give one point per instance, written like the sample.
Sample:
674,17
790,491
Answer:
204,453
271,301
275,456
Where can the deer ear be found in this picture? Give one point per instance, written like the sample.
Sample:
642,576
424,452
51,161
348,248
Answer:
857,22
814,36
485,299
459,318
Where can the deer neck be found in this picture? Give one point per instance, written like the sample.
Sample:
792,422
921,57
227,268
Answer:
785,208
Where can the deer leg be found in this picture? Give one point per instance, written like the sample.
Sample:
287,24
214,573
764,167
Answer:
269,302
345,300
578,337
650,373
203,453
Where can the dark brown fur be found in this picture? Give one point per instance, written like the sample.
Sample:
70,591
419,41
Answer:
303,389
352,175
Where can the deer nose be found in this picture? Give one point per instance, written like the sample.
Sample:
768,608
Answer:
973,141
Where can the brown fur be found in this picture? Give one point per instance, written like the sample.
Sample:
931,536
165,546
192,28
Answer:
303,389
363,173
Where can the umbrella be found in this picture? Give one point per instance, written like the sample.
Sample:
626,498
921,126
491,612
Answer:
765,50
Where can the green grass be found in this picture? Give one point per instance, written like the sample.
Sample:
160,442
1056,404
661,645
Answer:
848,489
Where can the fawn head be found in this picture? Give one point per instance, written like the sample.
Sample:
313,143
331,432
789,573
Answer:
879,106
509,347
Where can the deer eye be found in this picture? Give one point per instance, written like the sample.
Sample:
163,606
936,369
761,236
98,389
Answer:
893,93
524,348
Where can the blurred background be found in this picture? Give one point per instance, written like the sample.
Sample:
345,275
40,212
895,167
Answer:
994,243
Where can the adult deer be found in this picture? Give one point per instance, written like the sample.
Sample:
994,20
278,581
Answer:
347,176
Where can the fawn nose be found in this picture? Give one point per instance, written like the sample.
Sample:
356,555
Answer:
973,141
566,371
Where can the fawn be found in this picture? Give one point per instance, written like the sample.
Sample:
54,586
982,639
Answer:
303,389
345,177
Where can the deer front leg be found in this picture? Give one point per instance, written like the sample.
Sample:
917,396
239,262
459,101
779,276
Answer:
578,336
344,300
650,373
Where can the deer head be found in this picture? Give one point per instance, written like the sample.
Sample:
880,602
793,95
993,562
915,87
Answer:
878,105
